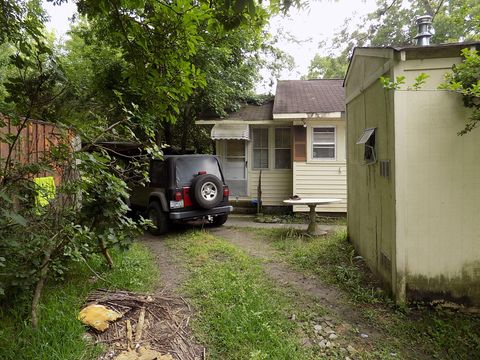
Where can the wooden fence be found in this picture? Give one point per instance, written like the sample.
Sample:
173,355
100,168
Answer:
35,139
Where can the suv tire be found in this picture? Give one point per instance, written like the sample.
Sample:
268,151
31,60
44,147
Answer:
207,191
219,220
159,219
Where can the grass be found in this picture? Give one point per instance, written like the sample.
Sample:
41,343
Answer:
436,333
300,218
332,258
60,334
240,314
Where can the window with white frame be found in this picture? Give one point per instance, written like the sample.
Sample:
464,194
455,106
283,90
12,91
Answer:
283,148
323,143
260,148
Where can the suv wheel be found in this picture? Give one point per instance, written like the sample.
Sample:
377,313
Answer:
219,220
207,191
159,219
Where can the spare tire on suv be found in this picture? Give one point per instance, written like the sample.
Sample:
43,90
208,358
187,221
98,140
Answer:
207,191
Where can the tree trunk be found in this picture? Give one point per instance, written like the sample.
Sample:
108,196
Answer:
105,252
39,288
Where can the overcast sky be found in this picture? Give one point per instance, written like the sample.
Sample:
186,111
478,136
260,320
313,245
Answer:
312,25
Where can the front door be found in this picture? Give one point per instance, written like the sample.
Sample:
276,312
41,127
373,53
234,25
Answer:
236,167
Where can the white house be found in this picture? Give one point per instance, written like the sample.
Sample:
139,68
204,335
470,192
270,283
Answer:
296,141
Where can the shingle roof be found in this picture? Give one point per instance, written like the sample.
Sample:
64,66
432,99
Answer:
309,96
253,112
246,112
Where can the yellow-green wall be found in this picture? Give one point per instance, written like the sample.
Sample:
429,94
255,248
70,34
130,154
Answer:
371,199
420,228
438,192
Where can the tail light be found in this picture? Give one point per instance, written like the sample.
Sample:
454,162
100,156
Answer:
226,191
178,196
202,172
186,196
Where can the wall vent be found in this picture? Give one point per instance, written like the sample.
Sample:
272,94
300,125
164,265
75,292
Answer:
385,168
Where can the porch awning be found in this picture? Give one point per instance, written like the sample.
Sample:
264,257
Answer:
230,132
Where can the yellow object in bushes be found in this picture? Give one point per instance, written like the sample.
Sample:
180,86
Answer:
46,190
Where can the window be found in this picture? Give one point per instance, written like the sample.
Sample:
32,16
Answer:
323,140
158,173
260,148
368,140
283,148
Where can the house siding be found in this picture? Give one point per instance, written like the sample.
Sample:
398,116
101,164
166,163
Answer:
323,178
276,183
276,186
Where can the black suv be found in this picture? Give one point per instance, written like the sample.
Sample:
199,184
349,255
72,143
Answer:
183,187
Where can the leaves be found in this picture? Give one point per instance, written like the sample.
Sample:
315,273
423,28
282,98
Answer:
392,85
465,80
420,80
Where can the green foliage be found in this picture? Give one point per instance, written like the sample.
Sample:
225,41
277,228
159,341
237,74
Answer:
130,70
19,18
327,67
88,213
240,315
392,85
60,336
420,80
387,84
392,24
465,80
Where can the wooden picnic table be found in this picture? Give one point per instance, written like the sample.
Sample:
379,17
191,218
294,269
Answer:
312,204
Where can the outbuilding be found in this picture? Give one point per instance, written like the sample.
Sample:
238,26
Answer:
413,183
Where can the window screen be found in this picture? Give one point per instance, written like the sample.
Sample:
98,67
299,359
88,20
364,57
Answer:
323,140
260,148
283,148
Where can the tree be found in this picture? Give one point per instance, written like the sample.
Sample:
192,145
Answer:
326,67
88,208
215,75
392,23
130,68
230,61
465,80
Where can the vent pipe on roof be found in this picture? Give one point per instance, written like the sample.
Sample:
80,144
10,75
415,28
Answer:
424,24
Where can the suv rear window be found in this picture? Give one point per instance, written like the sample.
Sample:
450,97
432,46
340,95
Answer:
188,168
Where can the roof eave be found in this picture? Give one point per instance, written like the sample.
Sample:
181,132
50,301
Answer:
239,121
316,115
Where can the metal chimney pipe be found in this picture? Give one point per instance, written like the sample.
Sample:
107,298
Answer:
424,24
